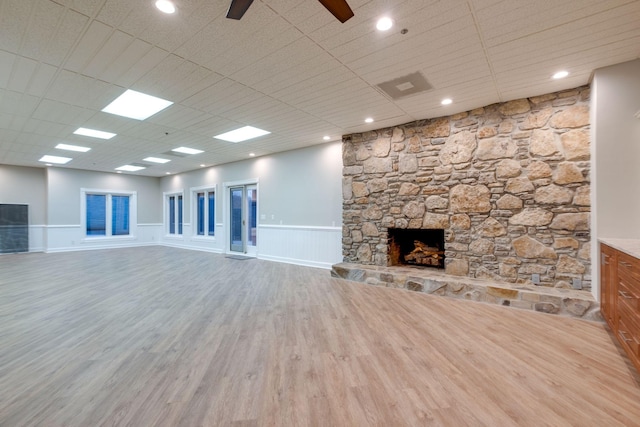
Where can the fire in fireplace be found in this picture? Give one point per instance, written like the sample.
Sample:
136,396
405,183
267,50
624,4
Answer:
420,247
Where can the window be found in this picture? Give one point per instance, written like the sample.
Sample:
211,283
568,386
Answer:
96,215
173,215
107,213
119,215
204,199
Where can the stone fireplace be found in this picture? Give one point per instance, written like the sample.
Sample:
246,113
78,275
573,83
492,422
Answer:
508,185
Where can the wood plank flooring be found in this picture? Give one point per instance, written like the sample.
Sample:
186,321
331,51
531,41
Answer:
167,337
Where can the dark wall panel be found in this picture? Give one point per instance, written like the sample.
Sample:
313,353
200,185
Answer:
14,228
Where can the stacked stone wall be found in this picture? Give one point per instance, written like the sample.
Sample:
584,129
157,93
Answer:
509,183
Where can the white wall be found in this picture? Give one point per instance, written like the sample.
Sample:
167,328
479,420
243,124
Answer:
27,186
299,204
616,152
64,230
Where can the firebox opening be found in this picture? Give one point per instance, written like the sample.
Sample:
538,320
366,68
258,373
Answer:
420,247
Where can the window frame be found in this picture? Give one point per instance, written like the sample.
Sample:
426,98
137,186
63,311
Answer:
133,214
179,214
206,189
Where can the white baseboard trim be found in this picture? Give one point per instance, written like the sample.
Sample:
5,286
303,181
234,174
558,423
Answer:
93,248
302,262
192,248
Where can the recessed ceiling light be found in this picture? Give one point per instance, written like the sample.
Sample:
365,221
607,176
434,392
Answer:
94,133
326,137
136,105
167,173
156,160
48,164
561,74
446,101
202,166
165,6
252,154
130,168
385,23
187,150
72,148
242,134
368,120
55,159
119,172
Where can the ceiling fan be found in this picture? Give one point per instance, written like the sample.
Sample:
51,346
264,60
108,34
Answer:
339,8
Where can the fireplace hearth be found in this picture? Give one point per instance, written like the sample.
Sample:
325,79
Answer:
419,247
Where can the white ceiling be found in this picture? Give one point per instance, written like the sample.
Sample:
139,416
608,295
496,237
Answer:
288,67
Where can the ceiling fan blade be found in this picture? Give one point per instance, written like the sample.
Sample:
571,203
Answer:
339,8
238,8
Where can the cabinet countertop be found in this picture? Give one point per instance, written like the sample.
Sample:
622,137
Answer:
628,246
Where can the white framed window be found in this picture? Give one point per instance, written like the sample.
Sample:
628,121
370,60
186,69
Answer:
174,213
108,213
203,200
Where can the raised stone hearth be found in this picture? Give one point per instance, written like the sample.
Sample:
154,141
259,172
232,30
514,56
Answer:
508,183
565,302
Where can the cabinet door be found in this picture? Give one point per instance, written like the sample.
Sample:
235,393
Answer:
608,285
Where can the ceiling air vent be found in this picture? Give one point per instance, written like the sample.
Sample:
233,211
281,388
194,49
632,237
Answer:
404,86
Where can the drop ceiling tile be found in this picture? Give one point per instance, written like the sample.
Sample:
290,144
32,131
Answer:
45,129
5,121
7,61
201,79
289,56
41,79
21,74
90,43
139,18
17,103
142,66
67,35
126,59
114,12
114,46
18,122
179,116
14,21
189,21
247,54
43,24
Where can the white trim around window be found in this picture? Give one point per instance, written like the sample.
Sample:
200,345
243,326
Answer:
109,206
173,214
202,217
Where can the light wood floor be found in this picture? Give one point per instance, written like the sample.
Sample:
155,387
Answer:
169,337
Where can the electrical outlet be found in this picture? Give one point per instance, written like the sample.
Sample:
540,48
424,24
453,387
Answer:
535,278
577,284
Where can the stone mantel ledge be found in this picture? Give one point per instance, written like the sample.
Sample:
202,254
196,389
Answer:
566,302
628,246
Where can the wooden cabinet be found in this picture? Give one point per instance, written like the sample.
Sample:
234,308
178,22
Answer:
608,289
620,298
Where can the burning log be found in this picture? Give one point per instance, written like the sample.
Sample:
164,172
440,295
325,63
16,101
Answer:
424,254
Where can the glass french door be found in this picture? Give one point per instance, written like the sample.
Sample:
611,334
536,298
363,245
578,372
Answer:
244,219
